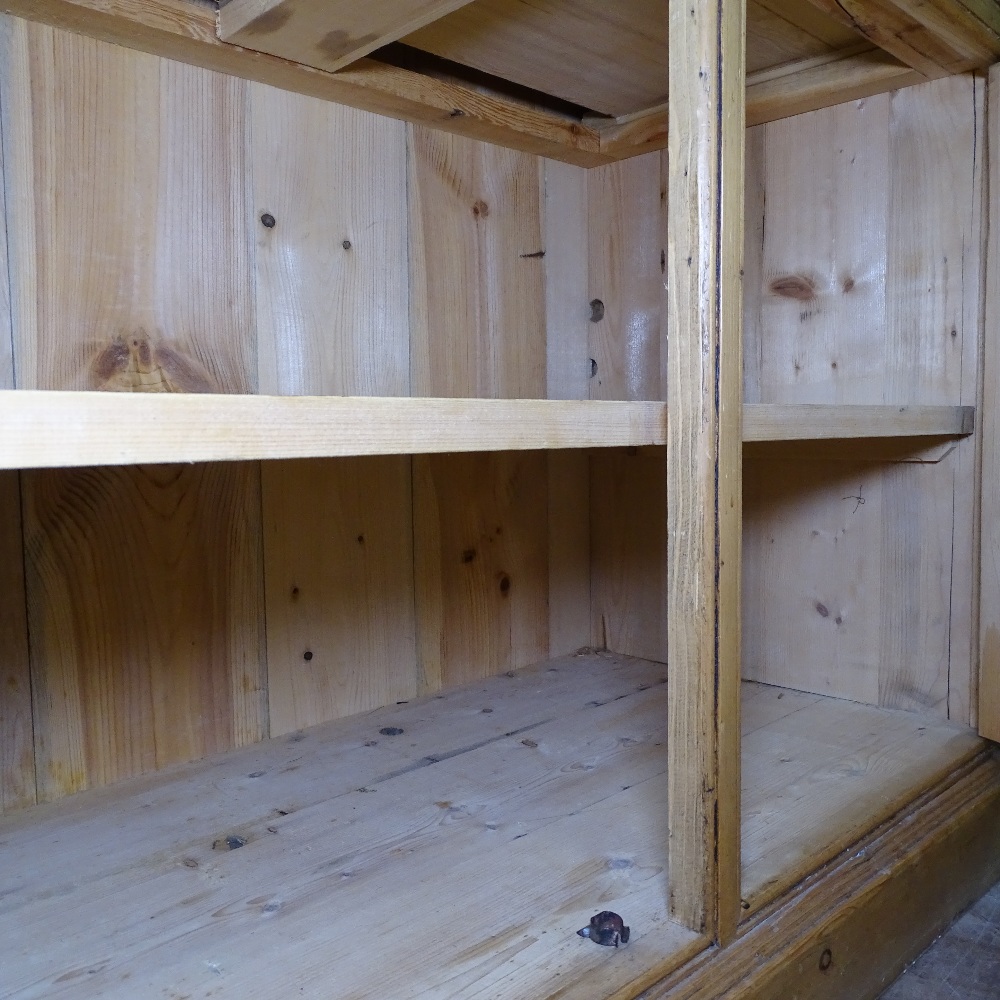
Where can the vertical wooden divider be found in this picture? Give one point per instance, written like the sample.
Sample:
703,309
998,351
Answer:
989,426
704,374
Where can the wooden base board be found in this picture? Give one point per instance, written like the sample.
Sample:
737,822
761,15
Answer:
846,932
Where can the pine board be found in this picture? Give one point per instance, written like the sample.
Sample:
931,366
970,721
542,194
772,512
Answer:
817,778
338,561
332,288
864,249
418,832
477,303
628,238
496,814
989,596
145,618
481,530
864,587
628,497
131,174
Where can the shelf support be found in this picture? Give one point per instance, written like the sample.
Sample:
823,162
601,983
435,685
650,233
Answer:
706,115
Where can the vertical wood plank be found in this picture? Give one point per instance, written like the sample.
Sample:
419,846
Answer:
569,551
131,174
822,294
566,246
629,551
144,613
481,557
17,755
849,599
989,419
6,328
932,254
627,232
338,556
332,282
477,280
705,144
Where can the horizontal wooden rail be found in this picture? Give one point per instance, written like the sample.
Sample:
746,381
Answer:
814,422
52,429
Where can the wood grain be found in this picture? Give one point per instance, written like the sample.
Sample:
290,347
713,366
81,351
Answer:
566,245
873,910
17,753
817,421
332,288
85,428
569,551
704,264
865,588
338,558
477,283
628,236
629,551
600,56
131,173
145,618
6,327
989,511
481,558
323,34
538,779
185,30
857,297
808,776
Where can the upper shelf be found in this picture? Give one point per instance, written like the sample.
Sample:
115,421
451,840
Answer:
577,80
61,429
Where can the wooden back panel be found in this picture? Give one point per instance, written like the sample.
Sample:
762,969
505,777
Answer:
864,250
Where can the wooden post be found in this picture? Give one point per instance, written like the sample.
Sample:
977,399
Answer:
989,425
705,254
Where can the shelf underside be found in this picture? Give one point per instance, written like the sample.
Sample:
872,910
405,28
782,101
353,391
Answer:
455,844
57,429
577,80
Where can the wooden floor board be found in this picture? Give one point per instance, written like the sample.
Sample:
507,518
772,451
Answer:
456,857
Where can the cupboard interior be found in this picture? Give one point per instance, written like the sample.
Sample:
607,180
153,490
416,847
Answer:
156,615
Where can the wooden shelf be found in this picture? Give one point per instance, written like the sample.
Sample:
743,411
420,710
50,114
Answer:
61,429
55,429
456,843
813,422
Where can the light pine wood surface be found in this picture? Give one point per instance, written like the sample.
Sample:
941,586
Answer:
477,296
352,816
481,529
131,174
628,239
323,34
862,221
704,264
989,512
144,598
629,551
338,561
604,57
68,429
331,279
